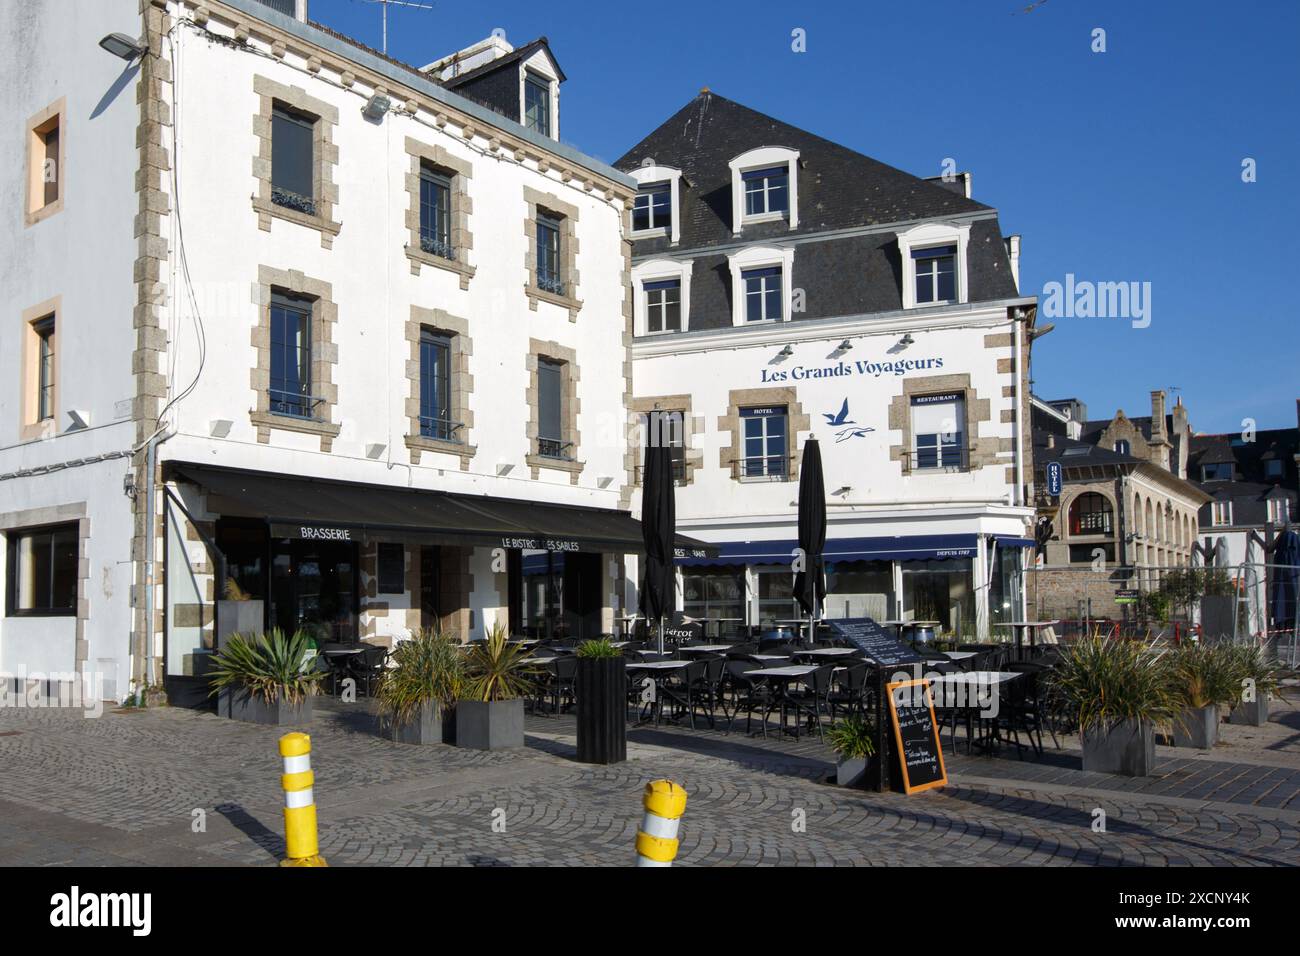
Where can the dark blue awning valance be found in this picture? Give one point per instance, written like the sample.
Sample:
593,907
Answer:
1007,541
897,548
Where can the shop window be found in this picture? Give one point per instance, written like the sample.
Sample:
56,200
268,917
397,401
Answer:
859,589
938,432
943,591
1091,513
293,146
765,443
717,593
776,603
42,571
1087,553
391,564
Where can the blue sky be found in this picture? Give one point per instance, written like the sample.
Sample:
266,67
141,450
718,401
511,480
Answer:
1117,166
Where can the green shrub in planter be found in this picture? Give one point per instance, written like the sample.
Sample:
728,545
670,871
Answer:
270,678
853,740
602,703
498,676
416,693
1202,677
1120,691
1258,678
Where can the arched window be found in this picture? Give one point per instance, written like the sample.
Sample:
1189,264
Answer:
1091,513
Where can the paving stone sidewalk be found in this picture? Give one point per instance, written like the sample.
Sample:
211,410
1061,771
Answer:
123,790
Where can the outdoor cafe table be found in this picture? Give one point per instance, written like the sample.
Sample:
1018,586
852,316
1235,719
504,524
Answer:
781,678
900,626
1019,628
768,657
656,671
954,691
827,653
704,649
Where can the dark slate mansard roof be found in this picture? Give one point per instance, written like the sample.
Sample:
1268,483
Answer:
838,188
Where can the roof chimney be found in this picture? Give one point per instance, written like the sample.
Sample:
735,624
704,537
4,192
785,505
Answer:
1158,416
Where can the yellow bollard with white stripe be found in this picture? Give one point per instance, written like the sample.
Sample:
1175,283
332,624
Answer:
299,802
656,841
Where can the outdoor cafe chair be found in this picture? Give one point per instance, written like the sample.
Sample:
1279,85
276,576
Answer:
368,666
681,690
848,689
740,690
810,698
558,682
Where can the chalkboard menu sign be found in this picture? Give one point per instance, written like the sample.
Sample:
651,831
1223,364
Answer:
879,646
916,735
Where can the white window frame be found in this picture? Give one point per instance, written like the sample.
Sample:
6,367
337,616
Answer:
760,257
761,158
926,236
1221,514
656,270
652,175
1279,510
540,65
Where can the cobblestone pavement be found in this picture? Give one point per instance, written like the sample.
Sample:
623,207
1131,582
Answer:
125,788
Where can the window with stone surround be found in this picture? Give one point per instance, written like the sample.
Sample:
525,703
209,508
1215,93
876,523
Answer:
46,149
293,341
39,407
437,368
294,165
552,256
943,438
43,571
665,418
764,426
552,396
438,210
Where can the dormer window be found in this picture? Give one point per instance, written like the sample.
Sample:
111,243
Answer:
658,200
767,191
663,296
934,264
765,187
537,102
761,284
653,208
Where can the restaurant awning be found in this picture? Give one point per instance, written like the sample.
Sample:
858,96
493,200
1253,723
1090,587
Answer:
895,548
324,509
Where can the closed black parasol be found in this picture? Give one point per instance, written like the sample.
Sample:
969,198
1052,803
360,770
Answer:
810,583
658,531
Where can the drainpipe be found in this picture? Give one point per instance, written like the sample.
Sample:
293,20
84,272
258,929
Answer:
1020,423
150,493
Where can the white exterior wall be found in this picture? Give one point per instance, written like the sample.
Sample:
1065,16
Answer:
82,254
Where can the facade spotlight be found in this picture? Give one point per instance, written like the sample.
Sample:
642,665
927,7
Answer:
123,46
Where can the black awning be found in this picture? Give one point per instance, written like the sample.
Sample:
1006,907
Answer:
325,509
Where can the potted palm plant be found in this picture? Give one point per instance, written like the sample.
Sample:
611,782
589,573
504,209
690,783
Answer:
1203,676
490,711
853,740
267,678
602,703
1258,681
417,694
1119,690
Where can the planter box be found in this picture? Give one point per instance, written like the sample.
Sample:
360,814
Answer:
490,725
602,710
1197,727
1253,714
254,710
1128,749
235,617
424,728
852,772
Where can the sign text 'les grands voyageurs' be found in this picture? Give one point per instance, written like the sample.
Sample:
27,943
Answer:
840,369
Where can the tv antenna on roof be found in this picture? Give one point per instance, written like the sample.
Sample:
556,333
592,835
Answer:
385,4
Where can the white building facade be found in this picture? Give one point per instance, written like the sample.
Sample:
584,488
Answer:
786,287
348,339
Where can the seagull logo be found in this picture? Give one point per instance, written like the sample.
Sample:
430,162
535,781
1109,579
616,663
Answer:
847,427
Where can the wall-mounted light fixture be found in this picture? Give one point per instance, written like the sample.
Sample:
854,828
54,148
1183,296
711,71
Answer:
845,346
128,484
906,340
842,490
376,106
123,46
219,427
785,352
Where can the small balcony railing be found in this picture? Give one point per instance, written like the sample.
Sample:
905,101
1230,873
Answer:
549,281
435,246
295,404
293,200
440,429
761,468
554,448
